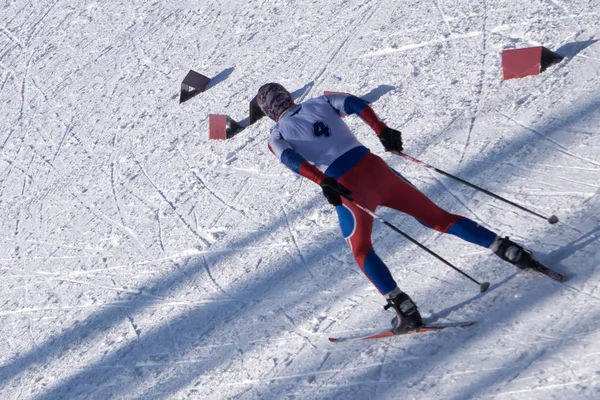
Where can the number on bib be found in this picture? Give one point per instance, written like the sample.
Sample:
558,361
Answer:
321,129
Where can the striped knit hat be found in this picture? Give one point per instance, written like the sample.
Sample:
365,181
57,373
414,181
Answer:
273,99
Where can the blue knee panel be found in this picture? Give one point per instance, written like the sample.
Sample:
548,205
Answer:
470,231
379,273
346,220
373,267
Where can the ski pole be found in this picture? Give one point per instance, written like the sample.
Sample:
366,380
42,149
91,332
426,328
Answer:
553,219
482,286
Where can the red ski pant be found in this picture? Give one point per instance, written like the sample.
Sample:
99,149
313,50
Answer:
373,183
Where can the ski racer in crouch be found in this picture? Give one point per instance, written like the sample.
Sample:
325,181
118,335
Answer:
312,140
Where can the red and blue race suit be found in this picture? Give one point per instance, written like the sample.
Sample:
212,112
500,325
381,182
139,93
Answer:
312,140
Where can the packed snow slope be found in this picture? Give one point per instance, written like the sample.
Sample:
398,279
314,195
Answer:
139,259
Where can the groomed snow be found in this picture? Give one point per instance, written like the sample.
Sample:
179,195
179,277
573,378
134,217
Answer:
140,260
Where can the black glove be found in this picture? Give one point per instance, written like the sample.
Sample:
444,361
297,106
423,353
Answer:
391,139
333,191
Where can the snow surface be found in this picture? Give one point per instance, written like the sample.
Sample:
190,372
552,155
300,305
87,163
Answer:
139,259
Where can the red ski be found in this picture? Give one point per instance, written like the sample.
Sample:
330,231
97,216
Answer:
389,333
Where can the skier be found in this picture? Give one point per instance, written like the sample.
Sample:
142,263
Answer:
312,140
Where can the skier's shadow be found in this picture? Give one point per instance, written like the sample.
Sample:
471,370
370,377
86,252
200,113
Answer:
555,257
570,249
447,311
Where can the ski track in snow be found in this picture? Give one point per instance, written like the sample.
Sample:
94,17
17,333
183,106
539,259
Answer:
138,259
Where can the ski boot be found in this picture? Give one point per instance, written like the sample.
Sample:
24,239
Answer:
408,317
509,251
